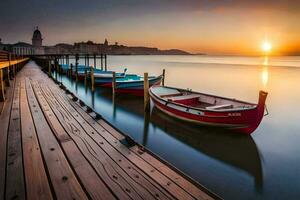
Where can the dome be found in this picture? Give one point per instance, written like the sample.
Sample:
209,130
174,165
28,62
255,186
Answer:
37,38
37,34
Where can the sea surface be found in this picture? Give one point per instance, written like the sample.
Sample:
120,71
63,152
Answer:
265,165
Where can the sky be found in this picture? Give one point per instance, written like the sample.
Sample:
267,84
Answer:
227,27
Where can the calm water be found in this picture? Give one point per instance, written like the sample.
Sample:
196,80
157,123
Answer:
263,166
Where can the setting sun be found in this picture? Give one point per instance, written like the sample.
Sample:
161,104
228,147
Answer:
266,46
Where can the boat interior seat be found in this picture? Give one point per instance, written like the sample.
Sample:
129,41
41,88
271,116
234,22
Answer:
166,92
183,97
217,107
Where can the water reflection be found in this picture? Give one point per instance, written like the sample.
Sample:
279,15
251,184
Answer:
265,72
266,61
146,127
232,149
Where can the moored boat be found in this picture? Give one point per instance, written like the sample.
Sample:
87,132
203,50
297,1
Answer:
83,71
208,109
130,83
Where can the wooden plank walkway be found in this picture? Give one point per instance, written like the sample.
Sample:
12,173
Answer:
51,147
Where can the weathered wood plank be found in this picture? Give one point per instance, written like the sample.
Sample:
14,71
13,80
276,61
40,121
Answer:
90,151
155,164
15,186
99,160
135,174
37,186
4,122
170,173
84,171
166,183
64,181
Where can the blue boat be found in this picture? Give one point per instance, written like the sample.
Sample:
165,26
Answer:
82,70
131,83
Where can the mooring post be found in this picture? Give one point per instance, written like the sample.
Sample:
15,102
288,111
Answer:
85,77
113,83
8,71
105,62
76,65
68,60
92,79
95,63
163,78
146,93
88,59
101,57
14,70
2,91
55,68
60,66
71,70
49,67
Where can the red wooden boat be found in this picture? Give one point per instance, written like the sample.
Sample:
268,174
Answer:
208,109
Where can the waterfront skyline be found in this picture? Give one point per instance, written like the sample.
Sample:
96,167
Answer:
213,27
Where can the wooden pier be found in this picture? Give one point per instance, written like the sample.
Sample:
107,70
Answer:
52,146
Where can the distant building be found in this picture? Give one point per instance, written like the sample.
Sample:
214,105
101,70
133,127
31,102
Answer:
88,47
37,40
22,48
105,43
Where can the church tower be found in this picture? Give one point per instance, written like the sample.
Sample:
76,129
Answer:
37,38
105,42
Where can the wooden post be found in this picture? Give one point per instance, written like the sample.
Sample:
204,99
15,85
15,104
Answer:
8,71
88,60
85,77
95,63
2,91
71,71
92,79
105,62
163,78
114,84
146,93
49,67
101,57
14,70
76,65
56,67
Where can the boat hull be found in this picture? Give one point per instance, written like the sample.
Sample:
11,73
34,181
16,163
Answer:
242,121
133,87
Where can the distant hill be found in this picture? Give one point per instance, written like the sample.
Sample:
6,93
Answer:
174,52
124,50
